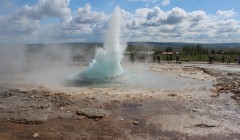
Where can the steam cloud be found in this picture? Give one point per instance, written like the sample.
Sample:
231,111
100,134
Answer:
41,65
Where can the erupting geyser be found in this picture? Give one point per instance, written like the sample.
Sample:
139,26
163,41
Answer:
107,62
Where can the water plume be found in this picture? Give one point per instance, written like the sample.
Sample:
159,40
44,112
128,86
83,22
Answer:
107,62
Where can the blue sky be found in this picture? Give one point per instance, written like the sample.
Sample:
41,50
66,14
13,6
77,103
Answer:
32,21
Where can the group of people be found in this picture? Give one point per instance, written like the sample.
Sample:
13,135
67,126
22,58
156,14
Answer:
238,61
228,60
156,58
211,58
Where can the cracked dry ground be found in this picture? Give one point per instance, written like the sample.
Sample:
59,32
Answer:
33,112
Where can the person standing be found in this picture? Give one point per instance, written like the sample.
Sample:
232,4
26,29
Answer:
159,58
177,59
154,57
228,60
132,57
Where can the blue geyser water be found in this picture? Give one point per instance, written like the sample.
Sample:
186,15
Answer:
107,62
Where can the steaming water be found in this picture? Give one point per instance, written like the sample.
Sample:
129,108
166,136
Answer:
107,62
140,76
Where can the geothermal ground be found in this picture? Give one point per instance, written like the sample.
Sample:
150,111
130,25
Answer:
203,103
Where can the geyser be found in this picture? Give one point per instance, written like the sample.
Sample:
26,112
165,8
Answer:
107,62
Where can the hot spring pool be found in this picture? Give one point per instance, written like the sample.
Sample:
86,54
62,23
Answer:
142,77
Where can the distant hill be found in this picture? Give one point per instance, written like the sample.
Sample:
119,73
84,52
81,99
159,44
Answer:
222,45
143,44
180,44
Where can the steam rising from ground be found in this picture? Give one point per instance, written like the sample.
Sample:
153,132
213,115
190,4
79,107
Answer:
52,64
107,62
34,65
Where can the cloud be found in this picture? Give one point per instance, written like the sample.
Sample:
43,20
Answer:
165,2
144,24
177,15
24,25
86,16
227,26
152,1
156,16
148,2
46,9
226,14
17,29
156,24
197,16
87,24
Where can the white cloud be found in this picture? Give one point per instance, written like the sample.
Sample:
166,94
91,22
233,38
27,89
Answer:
162,2
154,24
157,17
47,8
144,24
228,26
24,25
152,1
17,29
177,15
165,2
85,15
87,24
197,15
226,14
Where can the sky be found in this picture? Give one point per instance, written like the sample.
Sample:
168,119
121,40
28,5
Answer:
62,21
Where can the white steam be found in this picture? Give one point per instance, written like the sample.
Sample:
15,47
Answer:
36,65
